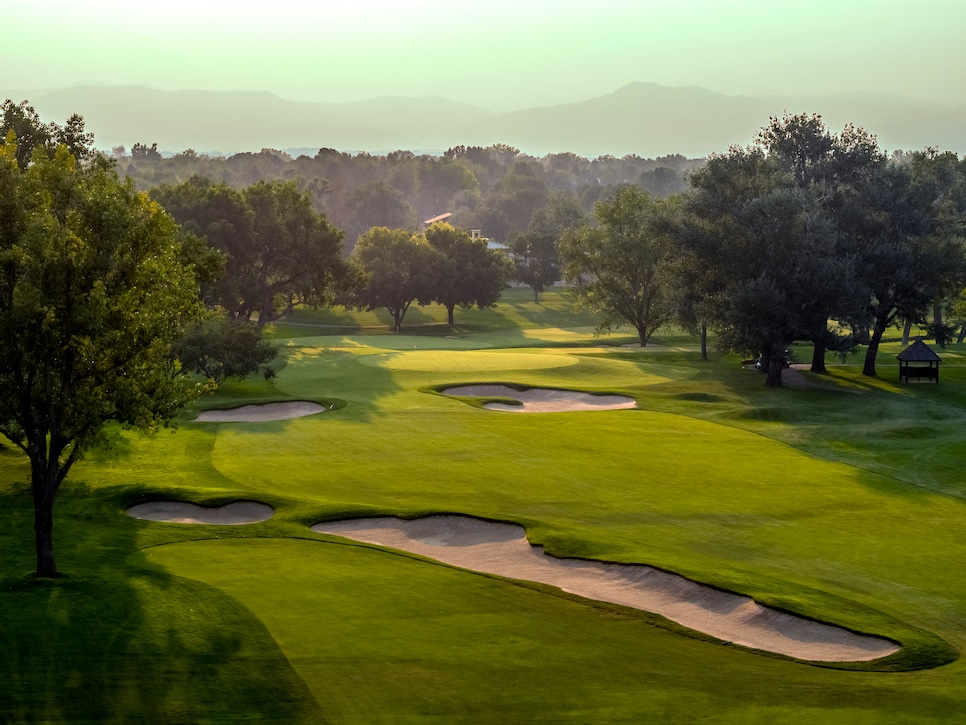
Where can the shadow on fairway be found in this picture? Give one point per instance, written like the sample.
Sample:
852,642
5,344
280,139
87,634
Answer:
108,643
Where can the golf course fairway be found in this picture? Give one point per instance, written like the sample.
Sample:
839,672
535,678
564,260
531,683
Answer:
839,500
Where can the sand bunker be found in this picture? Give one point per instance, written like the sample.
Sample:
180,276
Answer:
542,400
503,549
179,512
261,413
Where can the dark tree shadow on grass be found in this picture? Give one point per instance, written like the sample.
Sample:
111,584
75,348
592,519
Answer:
112,643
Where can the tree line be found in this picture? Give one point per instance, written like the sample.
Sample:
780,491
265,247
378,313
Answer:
496,189
110,296
802,235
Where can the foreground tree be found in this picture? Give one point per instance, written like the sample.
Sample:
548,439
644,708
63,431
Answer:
619,269
467,273
93,292
398,269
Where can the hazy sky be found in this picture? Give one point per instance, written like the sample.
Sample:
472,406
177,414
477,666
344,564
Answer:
500,54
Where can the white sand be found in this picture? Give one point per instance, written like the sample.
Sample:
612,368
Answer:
178,512
503,549
542,400
260,413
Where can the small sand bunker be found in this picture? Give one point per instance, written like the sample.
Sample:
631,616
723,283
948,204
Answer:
179,512
503,549
261,413
542,400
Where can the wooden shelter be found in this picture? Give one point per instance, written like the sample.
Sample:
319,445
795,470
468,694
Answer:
918,361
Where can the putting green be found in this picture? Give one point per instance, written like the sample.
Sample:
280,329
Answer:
467,361
387,342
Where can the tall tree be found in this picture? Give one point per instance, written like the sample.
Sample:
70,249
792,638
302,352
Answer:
467,273
298,254
829,167
619,270
907,225
280,251
220,216
398,269
93,292
767,250
535,252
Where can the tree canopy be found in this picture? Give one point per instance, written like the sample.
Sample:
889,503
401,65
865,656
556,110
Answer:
220,348
280,251
398,268
94,289
466,273
906,226
807,227
766,250
830,168
535,251
620,269
32,133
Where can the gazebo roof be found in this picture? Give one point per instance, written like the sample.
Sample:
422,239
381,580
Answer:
918,352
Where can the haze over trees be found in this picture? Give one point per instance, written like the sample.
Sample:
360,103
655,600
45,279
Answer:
495,189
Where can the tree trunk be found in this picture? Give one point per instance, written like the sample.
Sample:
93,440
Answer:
704,341
642,335
43,495
869,367
774,379
536,295
906,330
937,317
962,333
449,314
818,357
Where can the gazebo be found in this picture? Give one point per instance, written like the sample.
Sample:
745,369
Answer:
918,361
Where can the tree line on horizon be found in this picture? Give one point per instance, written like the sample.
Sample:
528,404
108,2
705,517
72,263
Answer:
496,189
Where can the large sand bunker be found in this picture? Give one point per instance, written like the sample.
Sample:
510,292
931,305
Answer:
261,413
542,400
503,549
179,512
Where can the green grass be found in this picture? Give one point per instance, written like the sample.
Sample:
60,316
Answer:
845,504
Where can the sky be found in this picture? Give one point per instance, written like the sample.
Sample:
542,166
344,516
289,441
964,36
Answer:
499,54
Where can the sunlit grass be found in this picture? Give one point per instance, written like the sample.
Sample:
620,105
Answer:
843,502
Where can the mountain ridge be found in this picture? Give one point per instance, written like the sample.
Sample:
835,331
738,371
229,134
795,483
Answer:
640,118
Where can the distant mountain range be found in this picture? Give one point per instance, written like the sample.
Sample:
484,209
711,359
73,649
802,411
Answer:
641,118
